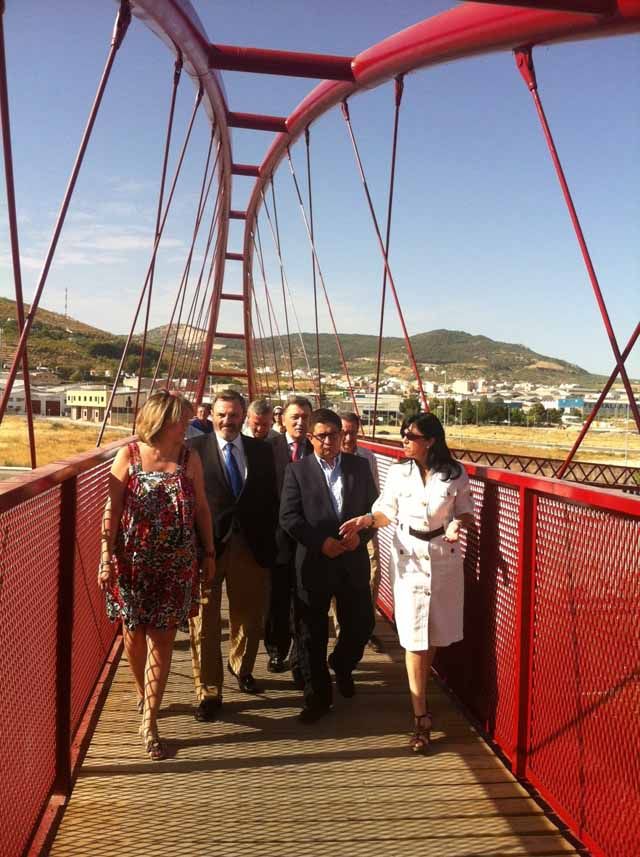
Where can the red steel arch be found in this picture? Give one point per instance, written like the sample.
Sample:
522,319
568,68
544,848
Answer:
177,24
461,33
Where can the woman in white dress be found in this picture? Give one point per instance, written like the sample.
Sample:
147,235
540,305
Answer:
428,497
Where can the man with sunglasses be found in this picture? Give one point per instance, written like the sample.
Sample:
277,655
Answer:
319,493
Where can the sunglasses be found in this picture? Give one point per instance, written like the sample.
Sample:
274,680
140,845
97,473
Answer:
410,435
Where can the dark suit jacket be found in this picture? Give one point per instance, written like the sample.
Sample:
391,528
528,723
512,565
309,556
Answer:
307,514
255,511
285,545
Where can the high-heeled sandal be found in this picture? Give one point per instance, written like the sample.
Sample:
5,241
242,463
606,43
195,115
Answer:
421,737
140,706
153,746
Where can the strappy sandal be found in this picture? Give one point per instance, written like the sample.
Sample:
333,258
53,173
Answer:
421,737
140,706
154,747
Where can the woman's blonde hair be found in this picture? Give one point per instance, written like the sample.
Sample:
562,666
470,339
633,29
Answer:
161,408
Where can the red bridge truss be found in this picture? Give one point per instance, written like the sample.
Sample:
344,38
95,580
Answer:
549,665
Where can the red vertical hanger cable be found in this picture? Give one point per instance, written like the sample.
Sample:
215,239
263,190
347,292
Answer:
307,141
399,89
322,283
524,62
405,332
154,253
177,70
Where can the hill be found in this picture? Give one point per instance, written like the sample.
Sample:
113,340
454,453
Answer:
463,355
73,348
67,347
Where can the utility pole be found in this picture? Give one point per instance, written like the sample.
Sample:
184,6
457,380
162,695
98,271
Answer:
66,292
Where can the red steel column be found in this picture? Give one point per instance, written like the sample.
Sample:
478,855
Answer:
64,628
527,524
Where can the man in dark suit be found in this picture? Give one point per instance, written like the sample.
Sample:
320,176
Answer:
293,445
240,484
318,494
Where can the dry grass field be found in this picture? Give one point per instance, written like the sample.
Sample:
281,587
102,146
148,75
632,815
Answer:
617,444
55,439
612,443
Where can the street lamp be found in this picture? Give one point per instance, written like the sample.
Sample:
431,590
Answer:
444,372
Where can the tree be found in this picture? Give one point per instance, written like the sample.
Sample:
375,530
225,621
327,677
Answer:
410,407
536,414
467,412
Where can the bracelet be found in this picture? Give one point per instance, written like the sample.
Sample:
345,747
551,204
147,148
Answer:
106,562
373,521
209,555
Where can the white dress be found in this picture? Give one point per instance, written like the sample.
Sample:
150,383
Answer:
426,577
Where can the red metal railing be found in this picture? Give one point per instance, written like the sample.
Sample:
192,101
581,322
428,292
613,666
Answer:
549,666
54,637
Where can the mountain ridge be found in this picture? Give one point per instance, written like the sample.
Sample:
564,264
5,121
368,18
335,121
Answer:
63,343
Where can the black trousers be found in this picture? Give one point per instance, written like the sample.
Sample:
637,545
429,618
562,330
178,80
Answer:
356,618
279,621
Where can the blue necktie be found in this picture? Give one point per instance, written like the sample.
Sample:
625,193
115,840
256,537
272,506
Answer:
233,471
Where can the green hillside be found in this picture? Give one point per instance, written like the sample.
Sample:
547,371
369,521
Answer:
72,349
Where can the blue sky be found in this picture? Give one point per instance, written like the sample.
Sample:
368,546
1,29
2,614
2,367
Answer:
481,240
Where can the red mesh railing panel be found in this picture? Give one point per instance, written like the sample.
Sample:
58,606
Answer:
93,634
585,708
29,558
385,537
481,669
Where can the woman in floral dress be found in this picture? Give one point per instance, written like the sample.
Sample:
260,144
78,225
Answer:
149,568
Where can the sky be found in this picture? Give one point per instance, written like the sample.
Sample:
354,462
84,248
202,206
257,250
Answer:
481,239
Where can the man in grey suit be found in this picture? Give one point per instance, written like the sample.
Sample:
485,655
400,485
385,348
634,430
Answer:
241,489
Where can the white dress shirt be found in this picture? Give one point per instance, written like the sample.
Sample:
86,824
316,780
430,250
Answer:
237,452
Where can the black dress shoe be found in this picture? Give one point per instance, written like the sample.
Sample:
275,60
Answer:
345,684
375,644
312,715
344,681
247,684
276,665
298,680
208,709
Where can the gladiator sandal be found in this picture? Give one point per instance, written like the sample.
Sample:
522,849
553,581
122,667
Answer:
421,737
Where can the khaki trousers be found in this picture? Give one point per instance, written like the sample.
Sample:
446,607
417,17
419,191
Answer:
246,592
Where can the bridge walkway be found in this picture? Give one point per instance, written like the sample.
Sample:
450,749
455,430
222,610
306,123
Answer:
258,783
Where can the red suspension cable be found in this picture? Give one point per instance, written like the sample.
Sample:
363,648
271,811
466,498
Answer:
13,231
123,18
284,295
154,253
399,89
163,176
322,283
258,246
524,62
412,359
313,264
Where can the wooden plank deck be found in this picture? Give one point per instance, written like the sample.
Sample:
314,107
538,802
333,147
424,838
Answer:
258,783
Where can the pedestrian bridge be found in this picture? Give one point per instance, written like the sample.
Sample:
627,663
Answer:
544,688
257,783
542,695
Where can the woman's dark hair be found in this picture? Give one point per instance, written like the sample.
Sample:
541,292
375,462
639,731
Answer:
439,458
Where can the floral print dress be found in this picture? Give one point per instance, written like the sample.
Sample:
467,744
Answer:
155,551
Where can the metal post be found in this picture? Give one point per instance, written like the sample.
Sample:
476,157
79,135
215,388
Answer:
13,229
122,22
527,523
64,630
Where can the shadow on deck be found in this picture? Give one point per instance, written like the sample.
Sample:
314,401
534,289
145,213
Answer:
258,783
